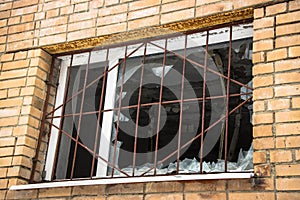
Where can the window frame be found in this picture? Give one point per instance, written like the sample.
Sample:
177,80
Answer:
107,116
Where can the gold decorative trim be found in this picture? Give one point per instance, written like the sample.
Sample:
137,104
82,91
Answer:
156,31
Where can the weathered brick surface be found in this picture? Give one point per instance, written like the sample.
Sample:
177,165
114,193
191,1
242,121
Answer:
29,24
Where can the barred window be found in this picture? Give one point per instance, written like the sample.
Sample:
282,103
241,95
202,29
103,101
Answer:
175,105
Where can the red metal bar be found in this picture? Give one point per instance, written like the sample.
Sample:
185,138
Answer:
203,102
159,106
138,111
227,97
181,104
80,116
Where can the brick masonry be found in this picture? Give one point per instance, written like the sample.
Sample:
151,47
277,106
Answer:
27,25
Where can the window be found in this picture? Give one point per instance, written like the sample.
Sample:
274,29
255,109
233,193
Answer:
177,105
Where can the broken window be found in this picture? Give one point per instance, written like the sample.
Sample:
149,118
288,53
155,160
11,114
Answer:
180,104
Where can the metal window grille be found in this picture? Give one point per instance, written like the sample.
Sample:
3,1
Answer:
175,105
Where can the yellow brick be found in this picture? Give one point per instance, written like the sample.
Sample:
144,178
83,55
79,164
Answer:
209,9
278,156
288,17
259,106
9,121
296,102
294,5
18,171
23,3
6,131
205,195
139,23
252,196
287,41
263,143
182,14
287,116
288,184
285,195
288,29
287,90
13,74
143,13
262,131
181,4
263,45
7,57
262,118
3,183
36,71
10,102
15,64
28,120
259,13
291,77
109,29
262,81
287,170
143,4
263,93
5,161
53,39
3,94
12,83
173,196
25,130
294,51
24,151
81,34
55,192
7,151
14,92
259,157
263,34
285,65
276,9
288,129
278,104
277,54
263,23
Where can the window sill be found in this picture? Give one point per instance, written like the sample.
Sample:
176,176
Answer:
189,177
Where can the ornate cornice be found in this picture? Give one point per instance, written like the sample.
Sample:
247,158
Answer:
155,31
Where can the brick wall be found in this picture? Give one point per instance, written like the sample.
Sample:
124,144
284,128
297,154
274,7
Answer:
27,25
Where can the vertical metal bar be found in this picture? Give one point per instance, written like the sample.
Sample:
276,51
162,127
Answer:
227,96
159,105
62,114
99,113
119,112
80,117
203,102
42,127
138,111
181,105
